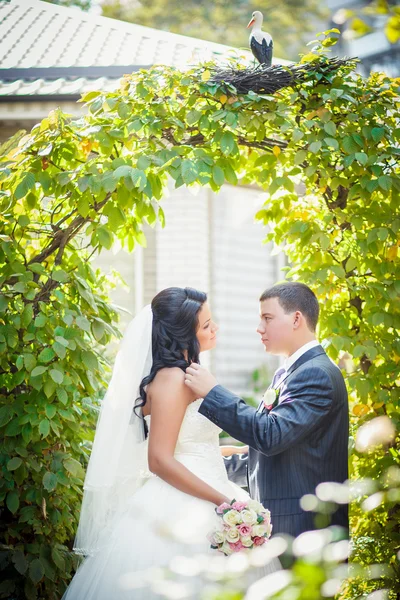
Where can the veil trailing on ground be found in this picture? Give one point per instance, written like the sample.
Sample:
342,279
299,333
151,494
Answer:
118,462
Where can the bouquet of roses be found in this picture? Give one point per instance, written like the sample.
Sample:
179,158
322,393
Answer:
243,525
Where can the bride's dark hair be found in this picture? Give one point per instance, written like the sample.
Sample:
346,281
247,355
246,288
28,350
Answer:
175,322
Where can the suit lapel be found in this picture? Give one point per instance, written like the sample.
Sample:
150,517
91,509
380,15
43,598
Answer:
309,355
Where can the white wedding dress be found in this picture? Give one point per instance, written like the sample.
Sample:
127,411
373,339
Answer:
161,523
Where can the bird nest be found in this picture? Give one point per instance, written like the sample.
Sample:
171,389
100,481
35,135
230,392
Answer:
267,80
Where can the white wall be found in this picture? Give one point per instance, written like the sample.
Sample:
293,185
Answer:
211,242
242,267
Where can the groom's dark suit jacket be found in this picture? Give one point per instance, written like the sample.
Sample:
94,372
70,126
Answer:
301,442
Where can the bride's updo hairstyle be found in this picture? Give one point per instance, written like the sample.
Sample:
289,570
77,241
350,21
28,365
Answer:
175,322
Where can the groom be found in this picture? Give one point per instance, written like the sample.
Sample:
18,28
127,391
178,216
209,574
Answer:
298,436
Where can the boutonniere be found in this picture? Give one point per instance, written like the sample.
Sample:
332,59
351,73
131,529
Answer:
270,398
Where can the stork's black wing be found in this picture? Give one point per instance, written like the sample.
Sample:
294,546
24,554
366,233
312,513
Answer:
262,52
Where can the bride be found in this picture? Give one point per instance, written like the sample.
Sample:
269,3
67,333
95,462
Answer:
156,472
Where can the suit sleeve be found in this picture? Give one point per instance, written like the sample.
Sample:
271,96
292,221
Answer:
304,405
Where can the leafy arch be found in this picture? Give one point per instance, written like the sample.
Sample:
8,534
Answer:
324,148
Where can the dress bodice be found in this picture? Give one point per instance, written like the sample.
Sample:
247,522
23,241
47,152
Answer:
197,446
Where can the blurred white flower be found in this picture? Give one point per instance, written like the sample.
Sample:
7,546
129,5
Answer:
376,432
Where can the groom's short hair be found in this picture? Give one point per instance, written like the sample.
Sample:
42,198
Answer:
292,296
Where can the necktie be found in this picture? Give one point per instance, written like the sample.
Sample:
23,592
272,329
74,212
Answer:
277,375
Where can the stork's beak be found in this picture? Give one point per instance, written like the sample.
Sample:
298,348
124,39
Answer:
250,24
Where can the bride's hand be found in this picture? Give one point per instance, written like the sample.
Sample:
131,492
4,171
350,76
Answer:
230,450
223,500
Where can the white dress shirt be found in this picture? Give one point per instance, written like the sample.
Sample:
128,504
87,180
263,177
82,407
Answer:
290,360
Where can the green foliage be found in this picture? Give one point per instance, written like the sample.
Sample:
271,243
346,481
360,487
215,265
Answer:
326,154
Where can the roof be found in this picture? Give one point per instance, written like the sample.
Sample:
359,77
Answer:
48,50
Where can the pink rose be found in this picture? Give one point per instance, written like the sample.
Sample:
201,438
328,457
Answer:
259,541
267,519
236,546
222,507
244,530
238,505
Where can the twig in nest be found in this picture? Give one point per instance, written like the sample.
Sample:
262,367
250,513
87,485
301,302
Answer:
267,80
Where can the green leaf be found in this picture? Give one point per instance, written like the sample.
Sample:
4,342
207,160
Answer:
56,376
59,349
358,139
297,135
38,371
46,355
44,428
14,463
50,410
385,182
49,481
300,157
139,179
378,133
193,117
61,340
108,182
12,501
40,320
123,171
36,570
60,276
349,145
20,562
62,395
218,175
315,147
89,360
105,237
330,128
83,323
362,158
83,206
332,143
227,143
230,175
143,163
74,467
189,171
27,433
5,414
26,184
98,329
58,559
23,220
351,263
116,218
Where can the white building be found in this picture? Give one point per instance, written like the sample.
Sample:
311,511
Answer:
49,55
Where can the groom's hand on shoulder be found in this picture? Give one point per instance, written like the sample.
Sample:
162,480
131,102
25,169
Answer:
199,380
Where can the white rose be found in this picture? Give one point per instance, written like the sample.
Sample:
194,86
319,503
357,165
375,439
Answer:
247,542
256,506
219,537
268,528
232,535
258,530
226,549
232,517
269,397
249,516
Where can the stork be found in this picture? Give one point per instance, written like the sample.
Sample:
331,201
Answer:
261,43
